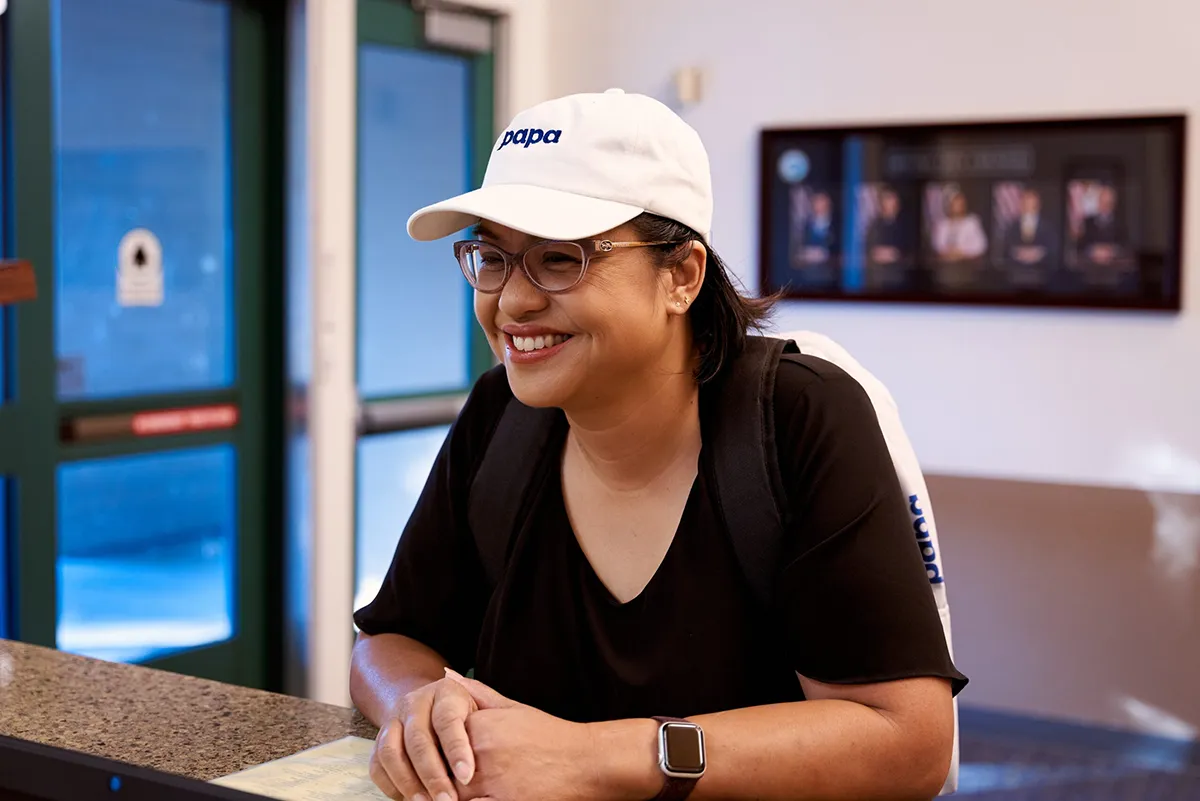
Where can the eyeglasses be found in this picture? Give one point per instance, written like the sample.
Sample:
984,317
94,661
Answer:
552,266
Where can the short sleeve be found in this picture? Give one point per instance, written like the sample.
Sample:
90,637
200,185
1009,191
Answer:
853,596
435,590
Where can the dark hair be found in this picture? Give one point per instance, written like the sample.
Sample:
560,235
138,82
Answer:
721,316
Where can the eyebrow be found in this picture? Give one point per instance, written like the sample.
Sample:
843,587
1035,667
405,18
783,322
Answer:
480,231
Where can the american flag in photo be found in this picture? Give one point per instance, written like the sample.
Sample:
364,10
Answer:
1006,203
866,208
799,209
935,208
1006,207
801,205
1077,193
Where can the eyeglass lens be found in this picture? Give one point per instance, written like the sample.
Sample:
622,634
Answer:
550,265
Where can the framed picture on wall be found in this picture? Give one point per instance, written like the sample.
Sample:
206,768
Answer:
1066,212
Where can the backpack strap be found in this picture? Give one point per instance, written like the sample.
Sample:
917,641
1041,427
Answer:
749,486
499,489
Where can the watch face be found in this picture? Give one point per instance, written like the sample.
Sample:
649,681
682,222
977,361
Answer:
684,748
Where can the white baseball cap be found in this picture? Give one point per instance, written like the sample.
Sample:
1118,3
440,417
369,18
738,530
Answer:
580,165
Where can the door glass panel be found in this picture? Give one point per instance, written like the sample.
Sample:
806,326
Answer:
414,138
146,553
142,143
299,271
392,469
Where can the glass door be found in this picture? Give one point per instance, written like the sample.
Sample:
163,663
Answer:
425,128
145,414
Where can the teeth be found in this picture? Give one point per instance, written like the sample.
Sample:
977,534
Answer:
528,344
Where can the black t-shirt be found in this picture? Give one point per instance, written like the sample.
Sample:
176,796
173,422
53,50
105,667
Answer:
853,600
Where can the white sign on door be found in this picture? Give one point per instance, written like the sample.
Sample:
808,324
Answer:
139,269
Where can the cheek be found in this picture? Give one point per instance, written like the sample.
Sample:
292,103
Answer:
485,311
620,312
486,307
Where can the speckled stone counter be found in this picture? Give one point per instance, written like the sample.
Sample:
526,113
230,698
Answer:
179,724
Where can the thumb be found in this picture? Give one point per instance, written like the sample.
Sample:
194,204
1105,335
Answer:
485,697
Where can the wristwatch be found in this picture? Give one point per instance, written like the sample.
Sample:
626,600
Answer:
680,757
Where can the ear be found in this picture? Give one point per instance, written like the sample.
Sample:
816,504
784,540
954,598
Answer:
686,278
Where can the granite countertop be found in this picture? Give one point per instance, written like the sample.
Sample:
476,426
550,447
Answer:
179,724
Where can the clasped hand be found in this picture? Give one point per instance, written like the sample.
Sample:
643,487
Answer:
496,748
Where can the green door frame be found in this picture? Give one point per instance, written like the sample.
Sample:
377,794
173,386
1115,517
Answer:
395,23
32,447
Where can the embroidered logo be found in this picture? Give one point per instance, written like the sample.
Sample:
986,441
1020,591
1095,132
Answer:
529,136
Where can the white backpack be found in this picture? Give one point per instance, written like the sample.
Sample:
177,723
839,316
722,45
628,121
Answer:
911,481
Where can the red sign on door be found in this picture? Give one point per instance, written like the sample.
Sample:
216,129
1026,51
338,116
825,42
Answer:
184,421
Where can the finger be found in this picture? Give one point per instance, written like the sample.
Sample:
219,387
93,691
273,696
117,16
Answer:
381,779
483,695
451,705
390,768
421,746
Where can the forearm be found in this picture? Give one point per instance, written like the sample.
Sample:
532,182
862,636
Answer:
385,668
826,749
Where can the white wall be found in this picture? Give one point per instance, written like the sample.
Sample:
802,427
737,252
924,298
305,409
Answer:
521,52
1074,397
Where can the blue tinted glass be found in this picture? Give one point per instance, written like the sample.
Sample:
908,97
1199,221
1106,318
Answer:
414,133
298,551
299,274
142,143
392,469
146,553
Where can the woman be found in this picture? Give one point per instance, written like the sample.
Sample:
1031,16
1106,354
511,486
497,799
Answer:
620,600
958,235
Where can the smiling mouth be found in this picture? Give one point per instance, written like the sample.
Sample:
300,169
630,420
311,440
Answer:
530,344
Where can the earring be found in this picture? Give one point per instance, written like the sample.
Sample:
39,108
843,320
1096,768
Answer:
686,299
678,304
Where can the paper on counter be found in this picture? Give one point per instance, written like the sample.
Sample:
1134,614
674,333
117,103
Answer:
336,771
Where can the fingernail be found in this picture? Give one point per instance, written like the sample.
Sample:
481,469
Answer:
454,675
420,797
462,771
444,797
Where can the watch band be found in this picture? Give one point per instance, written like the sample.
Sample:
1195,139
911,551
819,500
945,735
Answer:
674,788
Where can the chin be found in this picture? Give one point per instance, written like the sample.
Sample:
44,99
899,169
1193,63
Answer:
550,381
538,391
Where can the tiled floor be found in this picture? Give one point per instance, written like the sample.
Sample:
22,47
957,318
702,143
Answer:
1011,759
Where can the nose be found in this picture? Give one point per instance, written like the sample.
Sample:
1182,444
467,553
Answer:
520,297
